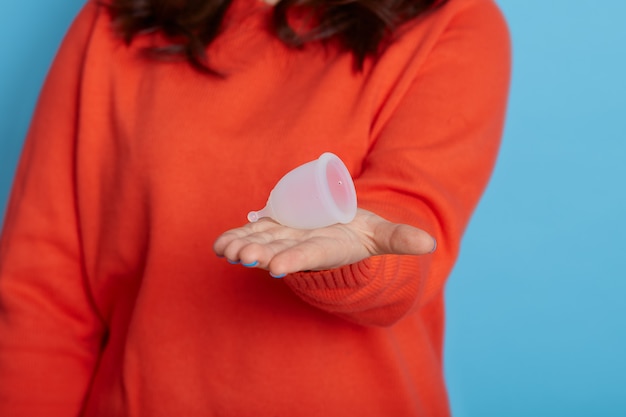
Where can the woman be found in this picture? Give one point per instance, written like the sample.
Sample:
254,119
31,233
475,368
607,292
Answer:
161,124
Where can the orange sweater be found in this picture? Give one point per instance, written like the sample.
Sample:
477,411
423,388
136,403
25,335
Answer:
111,300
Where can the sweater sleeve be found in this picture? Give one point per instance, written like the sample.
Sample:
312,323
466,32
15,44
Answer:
50,335
428,167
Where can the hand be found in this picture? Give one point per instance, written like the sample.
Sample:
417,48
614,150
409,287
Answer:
282,250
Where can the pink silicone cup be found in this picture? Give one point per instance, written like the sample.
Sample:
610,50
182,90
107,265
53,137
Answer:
313,195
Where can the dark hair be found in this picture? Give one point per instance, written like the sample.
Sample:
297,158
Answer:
362,27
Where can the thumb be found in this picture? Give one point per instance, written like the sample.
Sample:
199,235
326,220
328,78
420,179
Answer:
402,239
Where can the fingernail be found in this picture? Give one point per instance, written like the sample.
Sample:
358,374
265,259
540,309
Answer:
232,262
251,264
278,276
434,246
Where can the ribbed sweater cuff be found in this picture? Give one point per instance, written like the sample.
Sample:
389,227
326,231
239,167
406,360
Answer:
347,277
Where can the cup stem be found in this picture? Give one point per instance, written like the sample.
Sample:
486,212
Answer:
254,216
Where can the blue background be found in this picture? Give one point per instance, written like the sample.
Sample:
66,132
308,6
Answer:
537,302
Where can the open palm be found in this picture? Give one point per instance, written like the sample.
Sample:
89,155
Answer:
282,250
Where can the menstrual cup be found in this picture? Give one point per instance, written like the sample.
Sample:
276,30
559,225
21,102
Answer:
316,194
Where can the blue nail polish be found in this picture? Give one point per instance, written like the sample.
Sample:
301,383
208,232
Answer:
232,262
278,276
251,264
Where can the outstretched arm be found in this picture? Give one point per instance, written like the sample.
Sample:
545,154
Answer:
434,146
